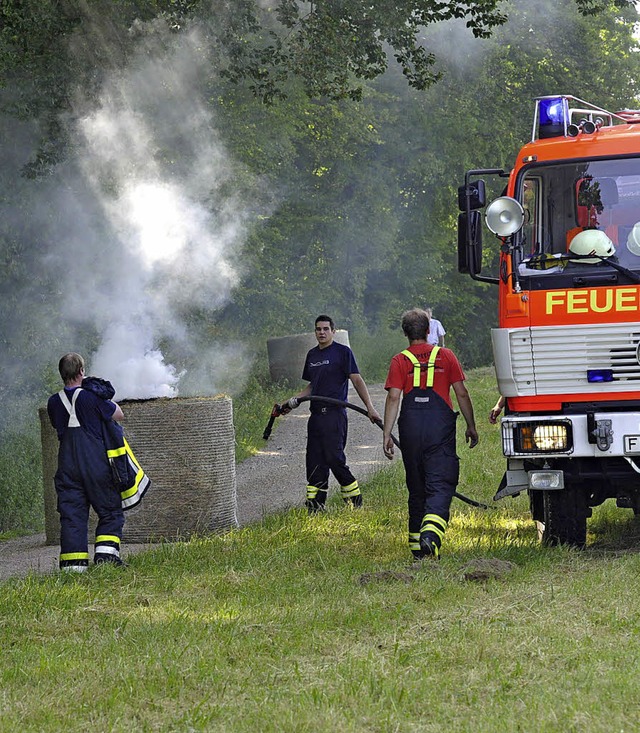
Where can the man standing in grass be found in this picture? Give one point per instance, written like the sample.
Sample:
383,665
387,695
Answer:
328,368
423,375
84,477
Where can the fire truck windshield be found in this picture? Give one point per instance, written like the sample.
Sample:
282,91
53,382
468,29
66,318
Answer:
562,201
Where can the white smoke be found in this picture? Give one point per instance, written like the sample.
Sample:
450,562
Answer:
151,157
136,369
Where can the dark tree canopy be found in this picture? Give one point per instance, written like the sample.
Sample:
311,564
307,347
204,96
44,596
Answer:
335,44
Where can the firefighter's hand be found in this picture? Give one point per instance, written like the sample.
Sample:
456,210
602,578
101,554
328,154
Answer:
290,404
374,416
388,447
496,410
471,437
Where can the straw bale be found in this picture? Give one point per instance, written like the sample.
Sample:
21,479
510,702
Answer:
187,448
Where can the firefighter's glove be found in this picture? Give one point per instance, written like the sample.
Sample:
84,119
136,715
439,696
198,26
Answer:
286,407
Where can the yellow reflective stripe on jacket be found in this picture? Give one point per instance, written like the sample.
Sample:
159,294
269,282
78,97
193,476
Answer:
139,473
116,452
416,366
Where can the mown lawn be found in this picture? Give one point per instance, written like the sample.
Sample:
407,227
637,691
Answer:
325,624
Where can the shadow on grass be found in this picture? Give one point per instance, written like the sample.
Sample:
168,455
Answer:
612,531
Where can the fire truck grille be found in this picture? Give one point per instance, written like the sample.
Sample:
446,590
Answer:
556,359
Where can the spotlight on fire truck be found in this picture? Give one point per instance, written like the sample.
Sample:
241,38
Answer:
504,216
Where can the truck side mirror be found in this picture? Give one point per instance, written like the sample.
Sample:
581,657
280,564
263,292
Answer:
477,196
470,243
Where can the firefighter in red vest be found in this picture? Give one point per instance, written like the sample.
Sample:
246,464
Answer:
421,378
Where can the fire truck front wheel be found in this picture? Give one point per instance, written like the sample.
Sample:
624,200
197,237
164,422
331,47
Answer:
565,517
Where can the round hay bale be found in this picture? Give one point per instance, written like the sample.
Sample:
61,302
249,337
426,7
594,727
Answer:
287,354
187,448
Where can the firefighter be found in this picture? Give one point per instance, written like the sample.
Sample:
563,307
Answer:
84,477
328,368
421,378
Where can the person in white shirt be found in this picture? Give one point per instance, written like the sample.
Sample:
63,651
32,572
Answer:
436,330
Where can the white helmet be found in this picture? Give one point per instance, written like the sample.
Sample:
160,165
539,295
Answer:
591,242
633,241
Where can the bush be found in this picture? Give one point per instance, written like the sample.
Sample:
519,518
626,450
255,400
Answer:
21,493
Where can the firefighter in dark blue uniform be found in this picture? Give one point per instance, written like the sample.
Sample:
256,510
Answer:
422,376
84,477
328,368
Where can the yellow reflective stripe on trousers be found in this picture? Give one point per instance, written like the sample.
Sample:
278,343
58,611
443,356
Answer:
416,366
350,490
107,538
434,523
312,492
414,540
66,556
431,366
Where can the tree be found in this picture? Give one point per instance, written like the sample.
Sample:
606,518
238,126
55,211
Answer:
333,45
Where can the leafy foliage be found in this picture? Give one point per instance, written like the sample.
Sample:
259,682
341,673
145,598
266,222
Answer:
348,195
336,44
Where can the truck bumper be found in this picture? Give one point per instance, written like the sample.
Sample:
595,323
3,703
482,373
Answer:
546,452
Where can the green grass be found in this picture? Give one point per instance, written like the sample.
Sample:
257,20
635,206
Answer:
324,624
251,411
21,500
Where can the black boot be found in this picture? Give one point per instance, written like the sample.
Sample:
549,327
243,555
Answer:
104,559
429,546
355,501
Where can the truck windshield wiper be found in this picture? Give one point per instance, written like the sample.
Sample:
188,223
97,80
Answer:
633,276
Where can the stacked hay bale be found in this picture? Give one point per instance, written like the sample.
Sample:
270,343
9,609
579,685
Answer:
286,354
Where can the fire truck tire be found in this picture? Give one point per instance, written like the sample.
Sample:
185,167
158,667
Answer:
565,517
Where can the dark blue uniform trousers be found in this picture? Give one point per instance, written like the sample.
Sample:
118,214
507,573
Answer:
326,441
84,479
427,431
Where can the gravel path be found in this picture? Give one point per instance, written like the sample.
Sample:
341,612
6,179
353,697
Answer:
271,481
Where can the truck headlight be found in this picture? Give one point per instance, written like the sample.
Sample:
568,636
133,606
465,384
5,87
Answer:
534,437
545,480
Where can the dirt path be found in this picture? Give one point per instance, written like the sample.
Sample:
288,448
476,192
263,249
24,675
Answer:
271,481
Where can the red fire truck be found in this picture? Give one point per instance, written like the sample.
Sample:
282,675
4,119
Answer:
567,346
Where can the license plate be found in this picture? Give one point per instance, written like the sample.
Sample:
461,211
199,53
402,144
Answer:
632,444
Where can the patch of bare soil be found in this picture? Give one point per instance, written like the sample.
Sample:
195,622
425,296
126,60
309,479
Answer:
484,569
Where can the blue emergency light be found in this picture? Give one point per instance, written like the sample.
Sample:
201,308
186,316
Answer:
599,375
553,116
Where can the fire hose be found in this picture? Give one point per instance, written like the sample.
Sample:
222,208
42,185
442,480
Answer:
283,409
